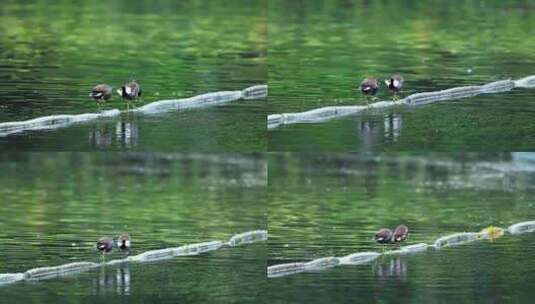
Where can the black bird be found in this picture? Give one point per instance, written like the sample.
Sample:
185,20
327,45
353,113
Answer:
130,91
383,236
400,234
105,244
369,87
101,92
394,84
124,242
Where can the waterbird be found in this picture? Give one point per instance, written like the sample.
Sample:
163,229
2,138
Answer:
394,84
105,244
369,87
400,234
123,242
101,92
383,236
130,91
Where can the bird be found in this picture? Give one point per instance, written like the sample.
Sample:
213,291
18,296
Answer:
394,84
383,236
130,91
369,86
101,92
400,234
123,242
105,244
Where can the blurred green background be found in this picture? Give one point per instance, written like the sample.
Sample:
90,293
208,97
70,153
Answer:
323,205
320,51
53,53
56,205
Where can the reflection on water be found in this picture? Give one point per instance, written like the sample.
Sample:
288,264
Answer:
112,281
332,204
56,205
394,268
372,135
125,134
322,51
43,73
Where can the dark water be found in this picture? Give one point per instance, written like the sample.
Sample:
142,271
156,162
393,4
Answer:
52,54
320,51
331,205
55,206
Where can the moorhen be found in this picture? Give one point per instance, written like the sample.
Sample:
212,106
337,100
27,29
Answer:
394,84
130,91
124,242
383,236
400,234
105,244
369,87
101,92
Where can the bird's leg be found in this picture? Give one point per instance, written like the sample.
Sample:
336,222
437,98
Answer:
396,97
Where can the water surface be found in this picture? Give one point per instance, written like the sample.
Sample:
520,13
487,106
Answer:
320,51
51,55
55,207
332,205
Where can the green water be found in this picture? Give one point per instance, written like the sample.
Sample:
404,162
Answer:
320,51
52,54
331,205
55,206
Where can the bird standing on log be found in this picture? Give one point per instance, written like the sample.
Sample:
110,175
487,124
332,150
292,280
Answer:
394,84
369,87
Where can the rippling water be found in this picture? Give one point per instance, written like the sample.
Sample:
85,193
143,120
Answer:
319,52
331,205
51,55
55,206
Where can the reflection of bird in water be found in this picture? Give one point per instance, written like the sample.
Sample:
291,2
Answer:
123,280
126,132
394,84
101,92
395,267
392,124
369,133
116,281
101,136
369,87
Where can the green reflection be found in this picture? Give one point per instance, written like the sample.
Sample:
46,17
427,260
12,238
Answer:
55,207
320,51
52,54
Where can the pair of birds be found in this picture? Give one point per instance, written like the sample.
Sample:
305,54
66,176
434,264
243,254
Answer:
103,92
387,236
105,244
369,86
